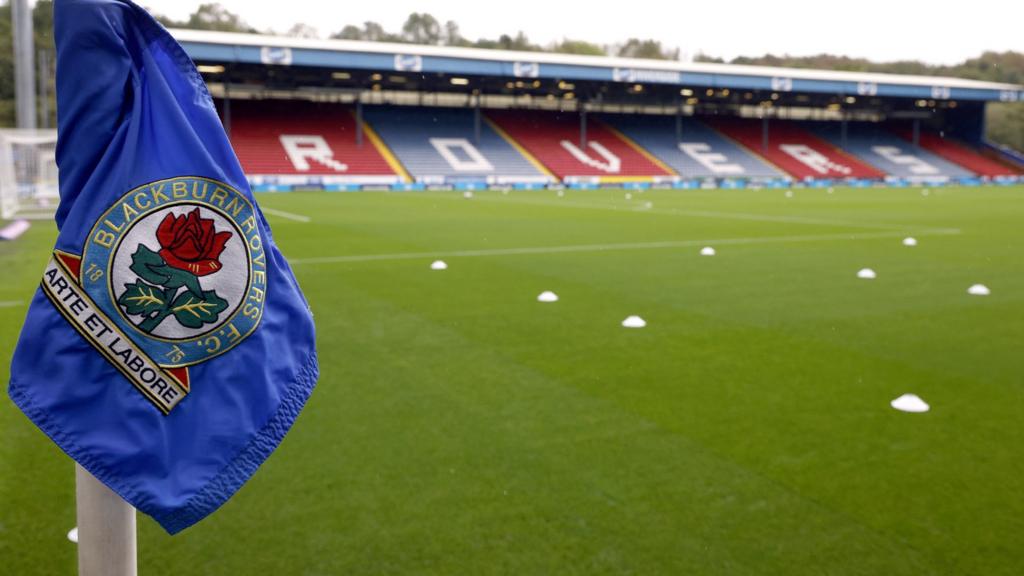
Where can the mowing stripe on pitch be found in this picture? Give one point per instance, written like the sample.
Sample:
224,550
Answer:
288,215
610,247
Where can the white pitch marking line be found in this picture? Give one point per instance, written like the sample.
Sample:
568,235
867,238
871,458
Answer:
720,215
606,247
10,304
288,215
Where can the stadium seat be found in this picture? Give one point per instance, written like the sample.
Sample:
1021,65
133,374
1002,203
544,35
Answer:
794,150
554,139
1003,154
701,153
298,138
439,145
958,153
875,145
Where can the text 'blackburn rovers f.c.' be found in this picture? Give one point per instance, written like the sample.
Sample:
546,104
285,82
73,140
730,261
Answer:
172,275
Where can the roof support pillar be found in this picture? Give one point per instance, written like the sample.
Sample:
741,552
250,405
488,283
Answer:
583,126
476,120
764,132
359,120
679,123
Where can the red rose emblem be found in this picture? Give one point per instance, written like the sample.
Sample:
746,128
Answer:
190,243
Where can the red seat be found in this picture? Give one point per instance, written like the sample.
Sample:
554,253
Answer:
554,140
329,148
795,150
958,153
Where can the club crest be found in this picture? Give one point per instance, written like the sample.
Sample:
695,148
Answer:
172,274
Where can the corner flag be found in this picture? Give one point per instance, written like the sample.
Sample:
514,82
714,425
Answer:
168,349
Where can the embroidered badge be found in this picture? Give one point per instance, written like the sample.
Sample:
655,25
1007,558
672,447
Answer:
172,275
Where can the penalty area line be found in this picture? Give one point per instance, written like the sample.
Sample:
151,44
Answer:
287,215
570,248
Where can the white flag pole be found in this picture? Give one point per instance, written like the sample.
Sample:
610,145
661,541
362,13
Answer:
106,529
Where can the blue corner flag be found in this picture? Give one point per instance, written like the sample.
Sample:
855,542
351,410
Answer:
168,349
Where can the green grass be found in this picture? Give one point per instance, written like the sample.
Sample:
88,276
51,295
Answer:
460,427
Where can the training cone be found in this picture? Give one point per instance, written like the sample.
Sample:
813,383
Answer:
909,241
707,251
547,296
438,265
634,322
866,274
910,403
15,229
979,290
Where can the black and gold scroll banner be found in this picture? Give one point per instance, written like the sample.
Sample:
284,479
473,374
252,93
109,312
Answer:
158,385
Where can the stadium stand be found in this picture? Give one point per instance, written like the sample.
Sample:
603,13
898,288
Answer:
1004,155
700,152
297,140
438,145
794,150
874,144
958,153
501,127
554,139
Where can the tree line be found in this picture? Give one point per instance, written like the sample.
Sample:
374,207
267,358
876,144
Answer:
424,28
1005,121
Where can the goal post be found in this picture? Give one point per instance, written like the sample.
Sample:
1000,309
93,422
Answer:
28,174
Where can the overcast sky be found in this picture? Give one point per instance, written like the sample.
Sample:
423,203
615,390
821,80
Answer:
935,31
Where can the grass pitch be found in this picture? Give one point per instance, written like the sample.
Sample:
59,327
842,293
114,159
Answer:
461,427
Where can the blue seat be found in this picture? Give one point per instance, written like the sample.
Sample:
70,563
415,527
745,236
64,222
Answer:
875,145
701,153
438,145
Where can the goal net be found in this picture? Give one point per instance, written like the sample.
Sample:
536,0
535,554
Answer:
28,174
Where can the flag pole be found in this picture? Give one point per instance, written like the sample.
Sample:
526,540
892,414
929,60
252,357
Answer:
106,529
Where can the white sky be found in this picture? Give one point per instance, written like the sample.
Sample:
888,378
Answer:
935,31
